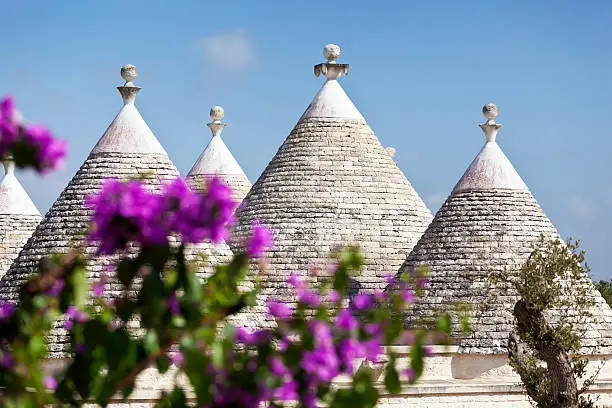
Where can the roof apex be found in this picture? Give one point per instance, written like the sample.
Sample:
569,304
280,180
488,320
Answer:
491,169
216,159
128,132
331,102
14,199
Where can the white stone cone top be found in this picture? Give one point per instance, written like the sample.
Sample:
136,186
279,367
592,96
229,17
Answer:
216,159
491,168
128,132
14,200
331,101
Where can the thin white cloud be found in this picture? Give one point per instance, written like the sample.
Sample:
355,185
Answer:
232,51
581,207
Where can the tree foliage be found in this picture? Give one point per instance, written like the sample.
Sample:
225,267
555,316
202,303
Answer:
551,315
605,288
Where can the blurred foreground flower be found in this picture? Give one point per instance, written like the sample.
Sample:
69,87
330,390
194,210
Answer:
29,145
127,212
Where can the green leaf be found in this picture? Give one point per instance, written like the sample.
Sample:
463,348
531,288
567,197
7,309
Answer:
417,355
151,342
178,321
178,398
218,354
195,366
127,391
117,346
444,323
392,381
126,271
162,363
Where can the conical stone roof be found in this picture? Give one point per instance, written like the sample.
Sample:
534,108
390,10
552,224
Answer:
488,224
128,149
330,184
18,216
217,160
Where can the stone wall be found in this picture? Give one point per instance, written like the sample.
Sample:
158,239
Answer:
15,229
498,387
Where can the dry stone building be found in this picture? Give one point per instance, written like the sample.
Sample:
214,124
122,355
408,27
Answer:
332,183
488,224
127,149
18,216
217,160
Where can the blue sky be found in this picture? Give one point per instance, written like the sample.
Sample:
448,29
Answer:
420,73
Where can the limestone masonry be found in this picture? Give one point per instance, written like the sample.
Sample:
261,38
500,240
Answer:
127,149
18,216
488,224
331,183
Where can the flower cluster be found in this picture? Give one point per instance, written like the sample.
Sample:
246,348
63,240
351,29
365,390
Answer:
126,211
74,315
260,240
30,145
328,347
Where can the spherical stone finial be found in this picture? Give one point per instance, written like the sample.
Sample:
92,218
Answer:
128,73
331,52
490,111
217,113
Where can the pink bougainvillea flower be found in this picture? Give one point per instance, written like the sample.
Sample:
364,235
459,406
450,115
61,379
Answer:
30,145
174,305
177,358
308,297
362,301
260,241
50,383
73,314
6,311
49,152
126,211
346,320
278,309
56,287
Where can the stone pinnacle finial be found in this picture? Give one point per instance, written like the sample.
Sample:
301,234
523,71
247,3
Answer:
490,128
490,111
331,52
128,73
9,166
216,126
217,113
331,69
128,91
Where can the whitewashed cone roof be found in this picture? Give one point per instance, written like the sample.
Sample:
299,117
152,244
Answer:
330,184
18,216
217,160
487,224
127,149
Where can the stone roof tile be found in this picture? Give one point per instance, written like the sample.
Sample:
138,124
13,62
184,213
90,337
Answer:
332,183
18,217
488,224
127,150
